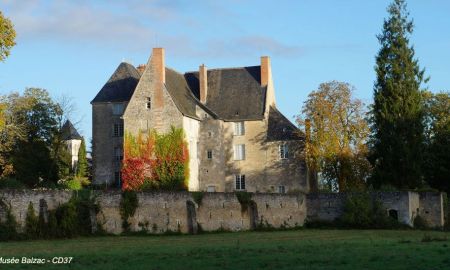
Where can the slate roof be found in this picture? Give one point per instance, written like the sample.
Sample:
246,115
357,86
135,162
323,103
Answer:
69,132
120,87
280,128
233,93
179,90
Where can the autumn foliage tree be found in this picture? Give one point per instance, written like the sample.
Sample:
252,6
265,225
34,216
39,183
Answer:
337,136
155,161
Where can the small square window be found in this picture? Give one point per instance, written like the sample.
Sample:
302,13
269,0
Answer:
281,189
239,129
118,108
240,181
211,189
209,154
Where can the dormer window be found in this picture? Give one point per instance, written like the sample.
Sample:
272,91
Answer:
149,103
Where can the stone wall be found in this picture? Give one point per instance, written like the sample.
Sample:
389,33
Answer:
406,204
159,212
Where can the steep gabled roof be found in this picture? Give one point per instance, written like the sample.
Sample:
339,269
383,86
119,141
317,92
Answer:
233,93
69,132
120,86
179,90
280,128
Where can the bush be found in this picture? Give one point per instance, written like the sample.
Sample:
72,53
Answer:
8,228
31,222
420,223
128,206
75,183
244,198
361,212
11,183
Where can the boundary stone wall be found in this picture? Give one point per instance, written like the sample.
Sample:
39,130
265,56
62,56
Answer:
407,204
160,212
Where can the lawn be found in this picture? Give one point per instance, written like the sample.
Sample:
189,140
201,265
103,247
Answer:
300,249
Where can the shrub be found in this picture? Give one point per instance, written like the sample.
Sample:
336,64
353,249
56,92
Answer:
361,212
66,215
31,222
244,198
75,183
11,183
8,228
198,197
420,223
128,206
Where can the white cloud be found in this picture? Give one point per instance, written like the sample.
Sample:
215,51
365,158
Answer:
138,25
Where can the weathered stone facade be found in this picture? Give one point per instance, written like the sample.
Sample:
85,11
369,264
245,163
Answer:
159,212
405,204
158,98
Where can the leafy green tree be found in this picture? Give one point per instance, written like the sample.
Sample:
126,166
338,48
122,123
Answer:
337,137
397,113
7,37
82,165
437,158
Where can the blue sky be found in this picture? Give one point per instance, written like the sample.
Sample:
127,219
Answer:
71,48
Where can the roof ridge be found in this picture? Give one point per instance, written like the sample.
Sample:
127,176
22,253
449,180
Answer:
225,68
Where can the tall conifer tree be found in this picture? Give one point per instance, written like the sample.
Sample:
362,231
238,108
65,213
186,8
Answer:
82,165
397,115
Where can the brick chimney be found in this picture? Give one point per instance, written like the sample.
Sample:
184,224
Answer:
203,79
159,69
265,70
141,68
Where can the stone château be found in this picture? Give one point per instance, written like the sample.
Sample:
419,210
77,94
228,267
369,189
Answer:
237,138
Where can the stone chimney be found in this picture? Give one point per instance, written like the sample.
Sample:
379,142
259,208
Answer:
265,70
203,79
159,71
141,68
159,65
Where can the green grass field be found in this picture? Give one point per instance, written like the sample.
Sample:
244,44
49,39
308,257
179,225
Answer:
301,249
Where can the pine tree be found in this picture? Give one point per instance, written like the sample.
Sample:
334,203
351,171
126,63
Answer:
82,161
397,113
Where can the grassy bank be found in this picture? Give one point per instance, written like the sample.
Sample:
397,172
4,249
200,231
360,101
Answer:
302,249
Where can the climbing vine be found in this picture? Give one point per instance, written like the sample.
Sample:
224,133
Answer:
156,161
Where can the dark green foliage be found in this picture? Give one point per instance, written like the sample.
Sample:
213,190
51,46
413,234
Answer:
197,196
397,113
82,166
128,206
31,222
67,217
420,223
437,158
11,183
8,227
361,212
244,198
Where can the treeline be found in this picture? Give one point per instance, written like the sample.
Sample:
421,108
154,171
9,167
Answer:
32,150
401,141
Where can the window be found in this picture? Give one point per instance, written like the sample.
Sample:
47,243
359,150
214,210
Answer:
240,181
239,152
149,103
239,128
118,154
209,154
117,108
118,129
118,179
211,189
284,151
281,189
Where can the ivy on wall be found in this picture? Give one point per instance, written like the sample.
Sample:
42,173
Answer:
156,161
